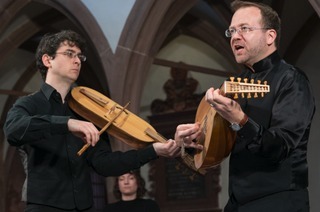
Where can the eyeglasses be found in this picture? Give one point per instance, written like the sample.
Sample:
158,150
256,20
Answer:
244,29
72,55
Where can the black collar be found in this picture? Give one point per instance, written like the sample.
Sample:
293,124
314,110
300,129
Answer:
267,63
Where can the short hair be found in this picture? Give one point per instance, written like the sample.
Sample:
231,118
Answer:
141,191
270,18
49,44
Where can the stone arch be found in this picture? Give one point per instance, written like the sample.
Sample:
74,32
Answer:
148,23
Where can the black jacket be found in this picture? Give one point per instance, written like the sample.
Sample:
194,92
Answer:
270,152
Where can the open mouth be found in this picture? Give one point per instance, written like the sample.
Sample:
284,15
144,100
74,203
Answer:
238,47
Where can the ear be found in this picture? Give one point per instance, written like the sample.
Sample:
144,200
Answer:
46,60
271,36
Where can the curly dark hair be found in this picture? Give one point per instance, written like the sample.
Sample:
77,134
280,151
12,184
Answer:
270,18
141,191
51,42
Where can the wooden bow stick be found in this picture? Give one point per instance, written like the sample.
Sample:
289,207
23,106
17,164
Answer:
86,146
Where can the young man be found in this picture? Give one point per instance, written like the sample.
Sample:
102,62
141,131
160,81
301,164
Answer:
48,134
268,168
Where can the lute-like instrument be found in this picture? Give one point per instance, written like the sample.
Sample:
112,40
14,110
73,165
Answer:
217,137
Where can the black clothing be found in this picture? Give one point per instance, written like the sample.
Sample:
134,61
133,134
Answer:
44,208
284,201
269,159
137,205
56,176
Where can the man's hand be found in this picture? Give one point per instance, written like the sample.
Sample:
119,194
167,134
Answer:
84,130
229,109
169,149
187,133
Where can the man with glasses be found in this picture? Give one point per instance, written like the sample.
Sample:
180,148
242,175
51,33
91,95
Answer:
49,135
268,168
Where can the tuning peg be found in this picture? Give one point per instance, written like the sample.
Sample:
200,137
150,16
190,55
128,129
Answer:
231,79
239,79
255,95
245,80
249,95
265,83
235,96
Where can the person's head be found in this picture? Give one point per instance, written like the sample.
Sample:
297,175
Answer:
254,31
66,43
130,184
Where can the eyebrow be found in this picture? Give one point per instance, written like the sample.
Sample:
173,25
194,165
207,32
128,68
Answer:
70,50
240,25
73,51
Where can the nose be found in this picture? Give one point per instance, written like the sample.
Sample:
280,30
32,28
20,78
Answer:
237,33
235,36
77,59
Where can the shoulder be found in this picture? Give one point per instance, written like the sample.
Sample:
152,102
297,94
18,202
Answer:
31,102
288,76
289,71
30,97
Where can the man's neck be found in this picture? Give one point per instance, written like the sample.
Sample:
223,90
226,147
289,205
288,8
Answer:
267,54
62,87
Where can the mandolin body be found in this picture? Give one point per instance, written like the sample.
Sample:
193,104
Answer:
217,137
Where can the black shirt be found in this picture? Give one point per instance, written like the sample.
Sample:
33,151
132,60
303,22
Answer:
56,176
270,153
137,205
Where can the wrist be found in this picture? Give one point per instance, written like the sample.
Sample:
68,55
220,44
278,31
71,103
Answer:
237,126
244,120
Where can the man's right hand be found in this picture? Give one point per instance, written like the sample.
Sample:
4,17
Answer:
84,130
